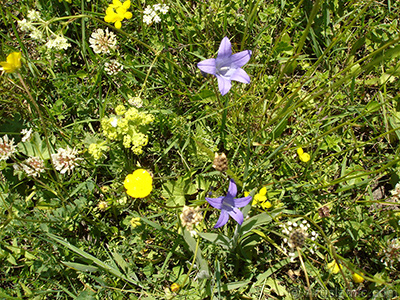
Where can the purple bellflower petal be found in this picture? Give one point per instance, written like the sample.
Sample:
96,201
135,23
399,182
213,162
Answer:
227,67
241,76
225,49
241,58
223,219
207,66
215,202
241,202
229,205
224,85
232,190
237,215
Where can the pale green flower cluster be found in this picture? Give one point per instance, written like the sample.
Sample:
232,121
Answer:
128,126
97,149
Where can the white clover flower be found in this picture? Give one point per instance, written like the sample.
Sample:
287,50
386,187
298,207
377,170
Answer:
103,41
190,217
113,67
58,43
7,148
296,235
25,25
27,134
392,253
65,159
33,166
33,15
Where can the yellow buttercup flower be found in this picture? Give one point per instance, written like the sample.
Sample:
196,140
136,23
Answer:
304,157
13,62
117,12
139,184
333,267
357,278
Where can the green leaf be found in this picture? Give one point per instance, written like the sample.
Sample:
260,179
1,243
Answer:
201,262
95,260
80,267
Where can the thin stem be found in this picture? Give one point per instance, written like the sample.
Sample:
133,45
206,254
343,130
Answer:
305,273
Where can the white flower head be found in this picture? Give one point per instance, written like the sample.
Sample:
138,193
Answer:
65,160
296,236
136,102
164,9
33,15
7,148
113,67
36,34
102,41
33,166
25,25
27,134
58,43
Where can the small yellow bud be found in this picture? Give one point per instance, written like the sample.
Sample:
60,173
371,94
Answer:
175,287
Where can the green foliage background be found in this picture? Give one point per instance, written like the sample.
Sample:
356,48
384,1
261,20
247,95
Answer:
324,77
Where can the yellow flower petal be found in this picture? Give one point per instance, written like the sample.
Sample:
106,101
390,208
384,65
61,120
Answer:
118,24
266,204
305,157
13,62
263,191
126,4
357,278
333,267
300,151
139,184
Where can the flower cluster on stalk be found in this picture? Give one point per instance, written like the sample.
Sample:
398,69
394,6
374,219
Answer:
65,160
128,126
103,41
150,13
7,147
296,236
40,31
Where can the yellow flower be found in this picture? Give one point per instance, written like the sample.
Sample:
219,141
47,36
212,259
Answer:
304,157
357,278
13,62
261,196
334,267
260,199
102,205
117,12
135,222
266,204
138,184
175,287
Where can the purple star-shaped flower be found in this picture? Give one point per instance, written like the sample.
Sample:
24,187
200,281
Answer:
227,67
229,205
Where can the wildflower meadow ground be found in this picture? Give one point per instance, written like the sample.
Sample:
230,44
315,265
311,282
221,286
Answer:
199,149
